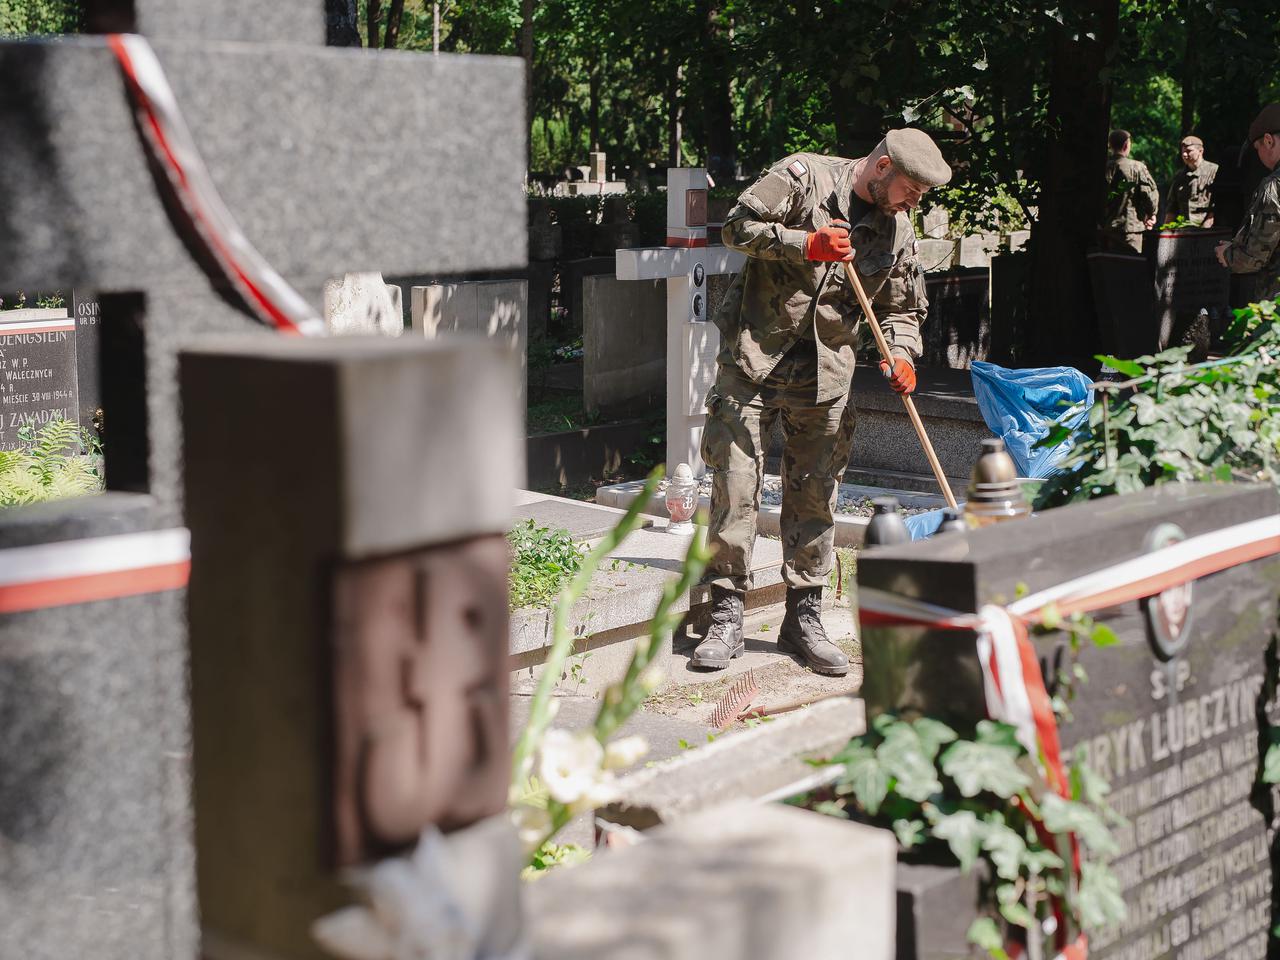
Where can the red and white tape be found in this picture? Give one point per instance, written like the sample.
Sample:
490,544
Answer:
271,299
102,568
1013,684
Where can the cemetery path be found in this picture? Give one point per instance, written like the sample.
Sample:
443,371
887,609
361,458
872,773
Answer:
690,695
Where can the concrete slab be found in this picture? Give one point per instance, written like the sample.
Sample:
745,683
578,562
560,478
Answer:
745,881
767,761
583,521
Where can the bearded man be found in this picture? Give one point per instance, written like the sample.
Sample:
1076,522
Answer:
789,329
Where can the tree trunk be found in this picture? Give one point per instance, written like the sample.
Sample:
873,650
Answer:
593,108
1189,66
372,18
1063,326
717,104
394,15
526,51
340,20
674,133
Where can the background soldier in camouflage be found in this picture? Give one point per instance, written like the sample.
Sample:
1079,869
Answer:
1191,192
1256,246
788,329
1132,198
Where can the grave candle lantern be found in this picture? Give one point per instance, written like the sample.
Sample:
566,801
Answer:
682,499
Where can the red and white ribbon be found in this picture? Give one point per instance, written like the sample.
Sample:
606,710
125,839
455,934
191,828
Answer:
101,568
1013,684
270,298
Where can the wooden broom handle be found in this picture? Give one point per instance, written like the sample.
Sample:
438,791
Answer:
906,397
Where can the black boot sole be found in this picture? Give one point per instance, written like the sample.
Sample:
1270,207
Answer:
718,663
787,646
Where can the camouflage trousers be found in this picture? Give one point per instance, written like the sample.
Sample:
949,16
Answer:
818,438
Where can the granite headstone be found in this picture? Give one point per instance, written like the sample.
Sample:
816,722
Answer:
1172,716
1190,279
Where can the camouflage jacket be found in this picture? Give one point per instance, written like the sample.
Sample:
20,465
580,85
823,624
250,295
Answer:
1132,196
779,296
1191,193
1256,246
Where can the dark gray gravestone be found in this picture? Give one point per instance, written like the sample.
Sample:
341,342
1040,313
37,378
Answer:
1175,727
958,328
1124,298
37,371
86,310
300,142
1189,279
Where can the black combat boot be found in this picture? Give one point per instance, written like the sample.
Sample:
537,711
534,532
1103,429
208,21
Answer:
802,633
723,641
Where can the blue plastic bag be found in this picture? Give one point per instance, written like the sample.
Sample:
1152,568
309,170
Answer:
1020,406
922,526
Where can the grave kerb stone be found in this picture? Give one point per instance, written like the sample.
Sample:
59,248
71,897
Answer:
766,762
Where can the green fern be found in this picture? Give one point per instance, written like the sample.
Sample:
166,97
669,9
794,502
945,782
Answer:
52,463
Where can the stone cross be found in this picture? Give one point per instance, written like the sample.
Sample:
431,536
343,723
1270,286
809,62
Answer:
692,343
304,143
331,161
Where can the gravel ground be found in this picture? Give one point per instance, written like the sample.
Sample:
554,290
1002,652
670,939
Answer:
849,504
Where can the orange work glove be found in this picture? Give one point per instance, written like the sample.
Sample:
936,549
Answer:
901,376
829,243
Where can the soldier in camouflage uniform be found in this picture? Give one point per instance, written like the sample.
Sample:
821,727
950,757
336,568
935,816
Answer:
1256,246
789,328
1191,192
1132,198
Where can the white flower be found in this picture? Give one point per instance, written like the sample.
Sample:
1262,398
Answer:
624,751
569,764
532,826
602,792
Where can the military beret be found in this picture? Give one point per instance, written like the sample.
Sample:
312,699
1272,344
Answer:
1268,121
1191,140
915,154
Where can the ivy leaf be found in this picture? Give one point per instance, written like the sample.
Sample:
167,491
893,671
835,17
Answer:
910,833
1103,636
1086,785
933,734
985,935
1271,761
963,832
1128,367
976,767
999,734
1099,900
1037,861
1006,848
903,757
1066,816
865,777
1017,914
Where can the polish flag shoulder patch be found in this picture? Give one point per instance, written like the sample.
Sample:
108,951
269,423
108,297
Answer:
797,169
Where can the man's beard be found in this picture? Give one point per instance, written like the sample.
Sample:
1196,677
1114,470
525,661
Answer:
879,190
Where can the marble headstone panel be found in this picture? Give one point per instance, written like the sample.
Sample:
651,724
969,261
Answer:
37,371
